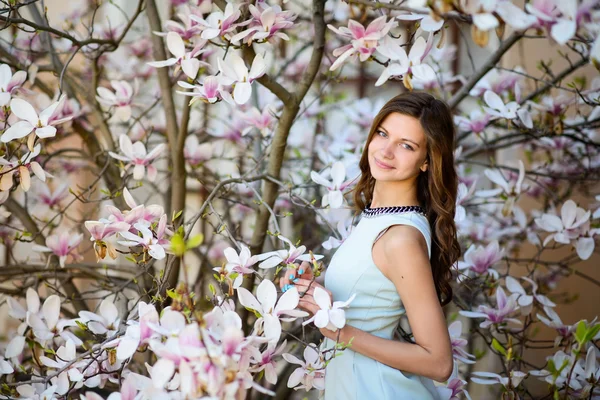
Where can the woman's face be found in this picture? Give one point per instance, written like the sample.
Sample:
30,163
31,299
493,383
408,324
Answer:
398,149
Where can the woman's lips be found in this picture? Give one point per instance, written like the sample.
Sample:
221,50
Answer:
382,165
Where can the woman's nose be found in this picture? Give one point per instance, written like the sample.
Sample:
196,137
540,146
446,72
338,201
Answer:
387,151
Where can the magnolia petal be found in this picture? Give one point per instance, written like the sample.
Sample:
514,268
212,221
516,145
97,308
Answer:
24,110
175,44
242,92
585,247
18,130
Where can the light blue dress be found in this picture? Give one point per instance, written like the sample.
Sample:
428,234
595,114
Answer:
376,309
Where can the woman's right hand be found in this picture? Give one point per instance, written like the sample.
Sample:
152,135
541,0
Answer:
303,271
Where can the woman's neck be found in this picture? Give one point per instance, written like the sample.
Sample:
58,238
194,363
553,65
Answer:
400,193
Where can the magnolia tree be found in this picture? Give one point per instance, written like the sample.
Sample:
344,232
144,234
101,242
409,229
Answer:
159,170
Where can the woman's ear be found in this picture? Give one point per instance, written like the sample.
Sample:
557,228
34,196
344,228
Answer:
424,166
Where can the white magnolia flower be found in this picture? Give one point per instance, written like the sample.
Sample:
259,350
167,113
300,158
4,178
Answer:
154,245
70,372
135,154
47,323
187,60
526,301
9,83
234,72
329,316
490,378
571,225
497,108
240,264
427,22
105,322
269,308
509,184
311,372
274,258
42,125
22,168
120,100
405,65
334,197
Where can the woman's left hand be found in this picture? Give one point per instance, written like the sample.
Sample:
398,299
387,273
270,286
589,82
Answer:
308,303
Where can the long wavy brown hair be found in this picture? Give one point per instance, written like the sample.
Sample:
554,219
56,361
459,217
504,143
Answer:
436,187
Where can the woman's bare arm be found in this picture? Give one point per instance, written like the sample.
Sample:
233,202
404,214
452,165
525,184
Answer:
401,255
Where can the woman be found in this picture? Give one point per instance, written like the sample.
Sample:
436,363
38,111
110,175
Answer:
392,261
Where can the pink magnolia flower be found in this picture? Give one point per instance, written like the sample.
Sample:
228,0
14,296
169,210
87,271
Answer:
239,263
52,199
505,306
476,122
219,23
263,121
311,371
459,351
100,230
480,259
329,316
210,91
265,361
453,389
234,72
189,28
190,65
274,258
135,154
137,334
138,213
62,245
554,321
498,81
266,23
196,152
120,100
364,42
9,83
155,246
42,125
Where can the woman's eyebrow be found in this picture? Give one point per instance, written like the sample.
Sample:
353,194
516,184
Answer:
406,139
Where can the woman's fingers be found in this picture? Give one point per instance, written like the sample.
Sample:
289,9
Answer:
289,278
305,270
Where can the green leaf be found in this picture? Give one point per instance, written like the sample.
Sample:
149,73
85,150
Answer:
195,241
580,332
212,289
496,345
178,245
591,333
176,215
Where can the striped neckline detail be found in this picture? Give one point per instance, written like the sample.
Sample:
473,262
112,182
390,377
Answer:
374,212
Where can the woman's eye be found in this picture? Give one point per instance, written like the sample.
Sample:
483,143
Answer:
408,147
381,133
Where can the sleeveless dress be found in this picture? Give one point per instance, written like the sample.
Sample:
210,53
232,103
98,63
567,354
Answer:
376,309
